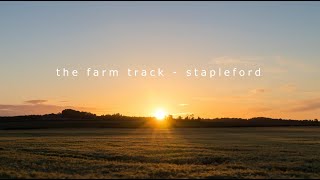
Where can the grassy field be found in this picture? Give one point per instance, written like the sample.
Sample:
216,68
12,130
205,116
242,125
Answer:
291,152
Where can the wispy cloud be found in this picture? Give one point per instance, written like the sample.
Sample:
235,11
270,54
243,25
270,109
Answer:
183,104
258,90
270,64
227,60
288,88
306,105
291,63
36,101
281,64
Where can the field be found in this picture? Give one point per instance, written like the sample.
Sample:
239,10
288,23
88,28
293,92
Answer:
282,152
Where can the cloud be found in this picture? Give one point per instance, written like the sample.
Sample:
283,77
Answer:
288,88
275,70
183,104
37,101
297,65
280,65
258,90
306,105
270,64
227,60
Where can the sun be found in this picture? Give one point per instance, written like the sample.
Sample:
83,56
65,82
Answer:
160,114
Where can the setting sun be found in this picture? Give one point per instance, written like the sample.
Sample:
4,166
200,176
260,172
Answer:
160,114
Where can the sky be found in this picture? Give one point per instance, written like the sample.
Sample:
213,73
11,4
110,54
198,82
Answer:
282,38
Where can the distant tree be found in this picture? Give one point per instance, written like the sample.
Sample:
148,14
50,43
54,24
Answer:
117,115
70,113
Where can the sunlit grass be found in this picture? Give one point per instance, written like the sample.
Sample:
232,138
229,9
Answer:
161,153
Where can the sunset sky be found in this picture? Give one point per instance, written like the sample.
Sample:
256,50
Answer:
282,38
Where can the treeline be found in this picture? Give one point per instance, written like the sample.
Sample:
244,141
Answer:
69,118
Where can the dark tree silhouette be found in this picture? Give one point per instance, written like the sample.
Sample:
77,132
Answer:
70,113
73,118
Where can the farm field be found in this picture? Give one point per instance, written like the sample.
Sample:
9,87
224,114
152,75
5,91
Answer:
277,152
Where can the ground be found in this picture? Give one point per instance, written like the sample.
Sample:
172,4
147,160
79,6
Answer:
288,152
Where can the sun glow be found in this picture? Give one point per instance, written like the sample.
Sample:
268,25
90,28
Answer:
160,114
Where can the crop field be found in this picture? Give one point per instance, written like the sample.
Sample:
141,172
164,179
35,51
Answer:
277,152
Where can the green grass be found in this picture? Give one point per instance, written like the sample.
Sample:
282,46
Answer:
291,152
